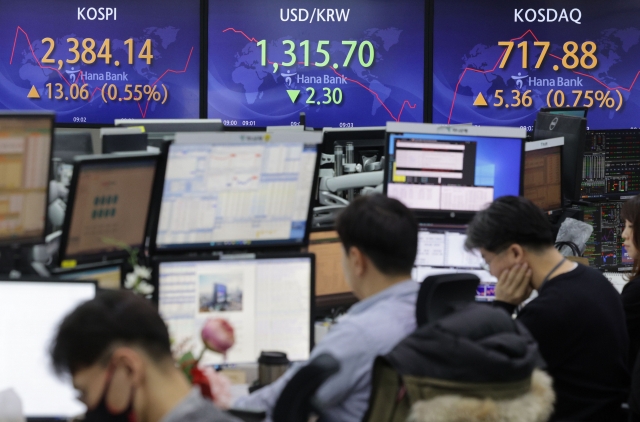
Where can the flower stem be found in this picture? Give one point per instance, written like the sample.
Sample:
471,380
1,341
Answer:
204,349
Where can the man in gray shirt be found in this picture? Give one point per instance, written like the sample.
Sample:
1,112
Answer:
380,240
117,350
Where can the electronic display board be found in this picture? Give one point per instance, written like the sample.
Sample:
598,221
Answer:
95,62
498,63
345,64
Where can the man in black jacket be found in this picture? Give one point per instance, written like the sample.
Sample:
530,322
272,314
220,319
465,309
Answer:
577,318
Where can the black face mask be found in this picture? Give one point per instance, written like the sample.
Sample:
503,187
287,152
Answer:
101,412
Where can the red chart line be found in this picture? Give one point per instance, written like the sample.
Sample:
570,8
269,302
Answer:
81,75
375,94
529,31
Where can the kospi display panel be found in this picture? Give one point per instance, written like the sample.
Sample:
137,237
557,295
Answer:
345,64
96,62
498,63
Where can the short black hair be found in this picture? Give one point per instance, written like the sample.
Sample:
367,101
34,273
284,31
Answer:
112,317
383,229
509,220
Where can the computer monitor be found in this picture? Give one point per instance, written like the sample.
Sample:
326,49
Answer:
124,143
30,313
108,275
567,111
68,145
611,165
108,207
604,248
171,126
268,301
351,163
441,251
452,171
543,173
25,157
330,279
573,129
158,187
237,190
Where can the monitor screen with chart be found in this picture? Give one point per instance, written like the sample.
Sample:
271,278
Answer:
221,192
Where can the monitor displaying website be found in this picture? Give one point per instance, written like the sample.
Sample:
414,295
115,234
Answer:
267,301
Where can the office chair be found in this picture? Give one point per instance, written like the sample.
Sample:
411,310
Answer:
440,295
297,402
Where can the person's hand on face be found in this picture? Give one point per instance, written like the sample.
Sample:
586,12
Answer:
514,284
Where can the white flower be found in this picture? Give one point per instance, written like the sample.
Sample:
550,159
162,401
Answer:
131,281
142,272
145,288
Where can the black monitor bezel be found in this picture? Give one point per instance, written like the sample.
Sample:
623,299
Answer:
76,134
575,194
448,216
16,242
169,127
60,272
77,168
157,260
355,135
561,110
128,137
282,246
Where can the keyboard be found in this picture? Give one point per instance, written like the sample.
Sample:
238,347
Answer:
617,279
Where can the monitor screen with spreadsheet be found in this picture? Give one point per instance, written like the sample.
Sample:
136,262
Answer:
611,164
25,154
543,173
109,205
435,168
268,301
441,251
234,190
30,312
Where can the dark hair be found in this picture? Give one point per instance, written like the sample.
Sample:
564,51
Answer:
509,220
631,212
383,229
112,317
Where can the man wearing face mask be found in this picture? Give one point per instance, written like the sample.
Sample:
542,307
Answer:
117,350
577,318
